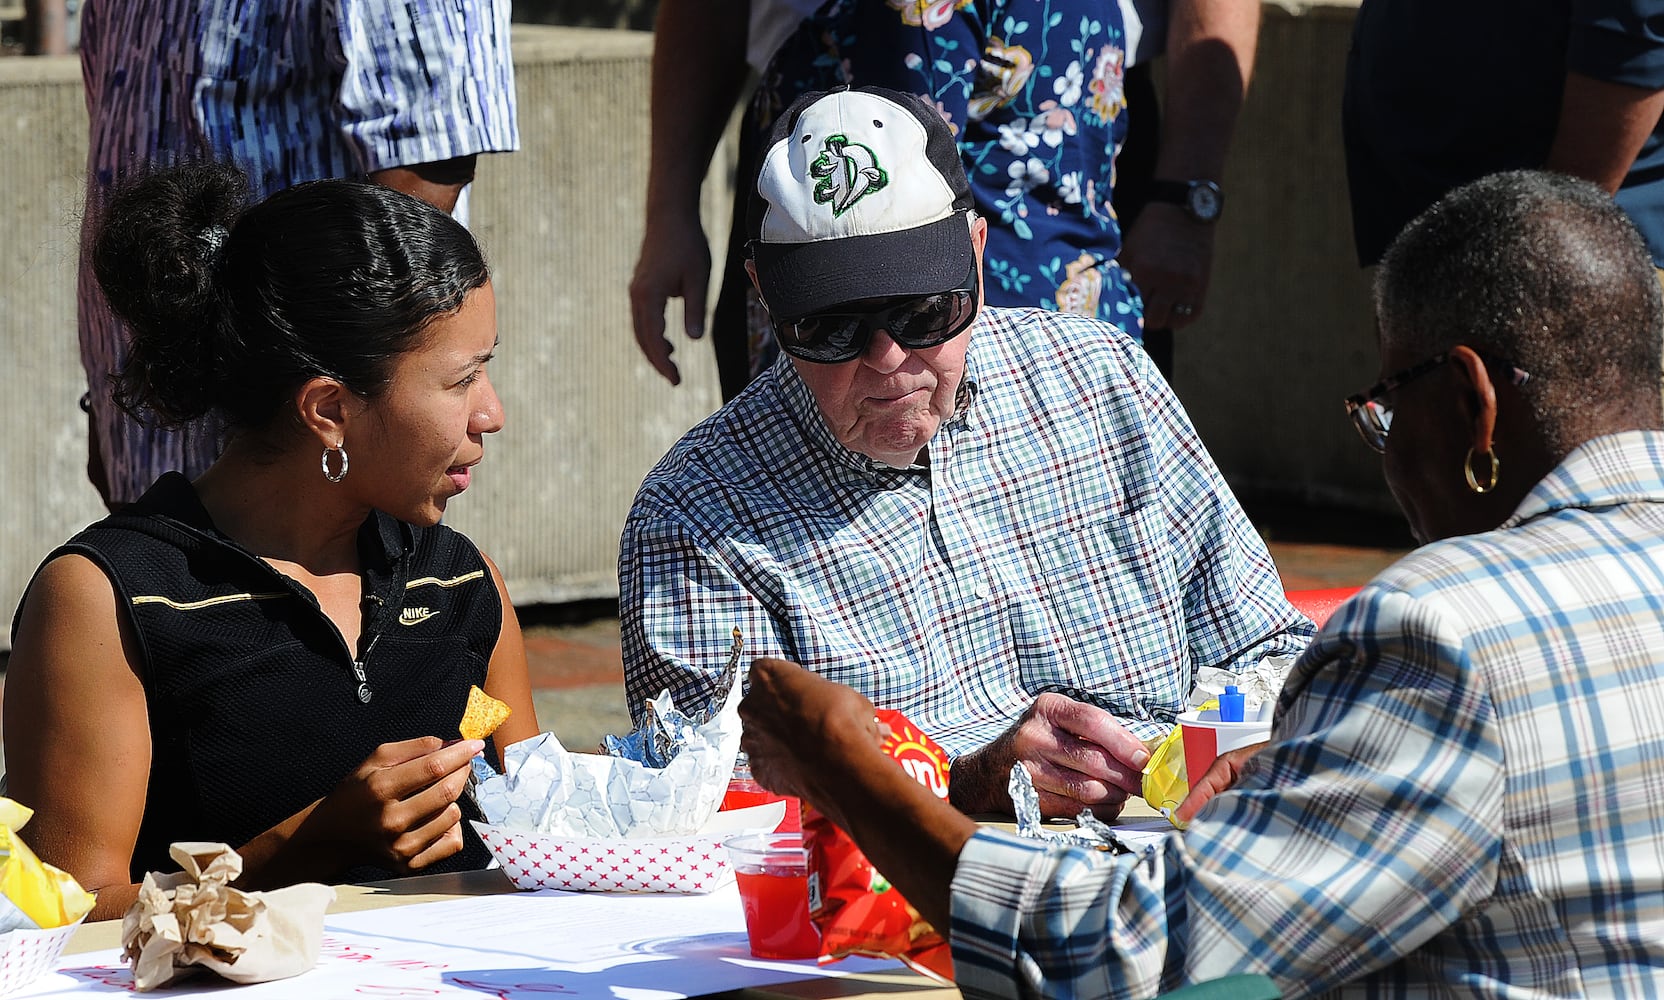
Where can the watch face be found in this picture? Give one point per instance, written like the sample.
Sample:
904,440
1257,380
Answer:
1204,201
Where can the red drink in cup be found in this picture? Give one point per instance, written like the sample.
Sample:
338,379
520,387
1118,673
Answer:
744,791
772,870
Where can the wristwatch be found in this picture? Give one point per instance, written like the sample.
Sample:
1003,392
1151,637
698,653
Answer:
1202,200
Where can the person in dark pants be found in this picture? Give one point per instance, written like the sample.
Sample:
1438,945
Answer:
1573,88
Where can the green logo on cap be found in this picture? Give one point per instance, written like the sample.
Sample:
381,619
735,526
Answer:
848,172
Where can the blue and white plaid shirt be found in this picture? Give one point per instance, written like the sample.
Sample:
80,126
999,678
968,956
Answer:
1465,795
1069,534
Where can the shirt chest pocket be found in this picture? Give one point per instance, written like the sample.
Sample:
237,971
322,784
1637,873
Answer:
1116,604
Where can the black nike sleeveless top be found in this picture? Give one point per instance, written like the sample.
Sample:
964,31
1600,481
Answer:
257,707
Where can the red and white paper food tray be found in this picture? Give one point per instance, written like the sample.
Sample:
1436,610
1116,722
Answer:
26,955
695,863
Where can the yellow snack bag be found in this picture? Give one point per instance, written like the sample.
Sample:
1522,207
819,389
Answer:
46,896
1165,781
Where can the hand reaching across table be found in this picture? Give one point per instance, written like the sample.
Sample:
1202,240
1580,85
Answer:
811,738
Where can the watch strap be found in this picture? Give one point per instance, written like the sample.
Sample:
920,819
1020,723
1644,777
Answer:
1201,200
1172,192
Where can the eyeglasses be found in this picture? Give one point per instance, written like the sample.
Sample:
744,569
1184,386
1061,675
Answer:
1372,415
834,337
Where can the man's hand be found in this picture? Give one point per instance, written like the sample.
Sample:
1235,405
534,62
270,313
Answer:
1220,775
800,726
1210,54
675,262
817,740
1169,256
698,72
1079,756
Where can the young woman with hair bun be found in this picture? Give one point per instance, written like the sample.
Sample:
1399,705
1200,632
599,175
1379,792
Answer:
277,654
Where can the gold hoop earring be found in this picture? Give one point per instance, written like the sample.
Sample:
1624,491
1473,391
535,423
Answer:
1473,481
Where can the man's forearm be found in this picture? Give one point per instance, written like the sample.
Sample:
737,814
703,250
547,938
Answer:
818,740
439,183
698,70
1602,128
908,833
1210,55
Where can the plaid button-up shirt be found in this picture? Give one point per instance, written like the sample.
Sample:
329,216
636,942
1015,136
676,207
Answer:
1069,534
1465,795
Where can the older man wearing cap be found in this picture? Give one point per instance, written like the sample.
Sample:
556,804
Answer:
999,522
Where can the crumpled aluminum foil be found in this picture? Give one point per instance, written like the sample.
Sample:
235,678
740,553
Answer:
1090,831
1259,684
664,728
666,779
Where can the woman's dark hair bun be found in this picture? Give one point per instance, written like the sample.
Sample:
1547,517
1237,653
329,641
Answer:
160,241
232,309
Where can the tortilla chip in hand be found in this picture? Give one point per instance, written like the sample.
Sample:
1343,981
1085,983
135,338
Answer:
483,715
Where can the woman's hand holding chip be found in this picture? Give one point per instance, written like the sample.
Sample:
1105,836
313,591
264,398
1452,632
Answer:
398,809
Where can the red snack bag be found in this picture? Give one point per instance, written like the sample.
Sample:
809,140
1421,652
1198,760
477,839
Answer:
856,909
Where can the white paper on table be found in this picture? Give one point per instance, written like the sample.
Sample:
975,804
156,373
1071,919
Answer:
1141,835
528,946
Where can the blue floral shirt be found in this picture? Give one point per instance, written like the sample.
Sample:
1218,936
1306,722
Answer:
1033,92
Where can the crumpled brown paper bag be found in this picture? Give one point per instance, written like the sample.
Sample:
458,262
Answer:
193,918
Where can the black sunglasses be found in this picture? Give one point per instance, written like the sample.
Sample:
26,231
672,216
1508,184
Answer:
834,337
1372,415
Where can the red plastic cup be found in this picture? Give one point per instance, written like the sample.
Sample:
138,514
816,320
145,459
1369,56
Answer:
773,874
744,791
1205,738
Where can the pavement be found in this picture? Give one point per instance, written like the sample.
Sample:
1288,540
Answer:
577,674
577,670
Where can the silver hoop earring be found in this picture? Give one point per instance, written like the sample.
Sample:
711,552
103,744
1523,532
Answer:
335,477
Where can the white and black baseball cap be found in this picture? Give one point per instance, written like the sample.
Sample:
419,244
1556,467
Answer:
860,194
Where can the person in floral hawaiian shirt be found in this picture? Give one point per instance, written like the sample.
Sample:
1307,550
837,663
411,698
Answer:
1033,92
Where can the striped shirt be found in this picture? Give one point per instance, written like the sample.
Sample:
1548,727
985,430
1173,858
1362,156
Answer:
290,90
1465,795
1069,534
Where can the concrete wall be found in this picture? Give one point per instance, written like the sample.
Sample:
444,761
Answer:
43,138
561,224
561,221
636,14
1286,336
1288,332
